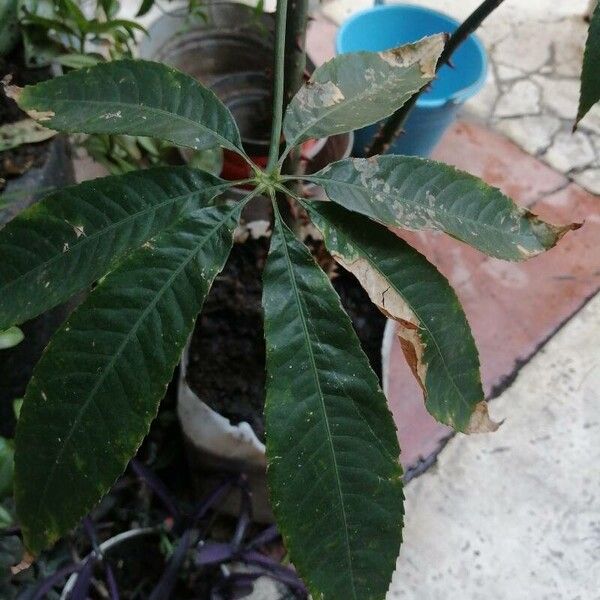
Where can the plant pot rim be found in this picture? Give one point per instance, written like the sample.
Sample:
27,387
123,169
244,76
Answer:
231,446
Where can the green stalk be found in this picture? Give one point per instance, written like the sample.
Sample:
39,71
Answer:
390,130
278,84
295,48
295,65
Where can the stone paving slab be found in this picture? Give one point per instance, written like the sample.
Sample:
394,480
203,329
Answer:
515,515
512,308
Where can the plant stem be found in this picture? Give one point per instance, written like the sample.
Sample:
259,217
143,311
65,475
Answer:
295,53
393,126
295,64
278,83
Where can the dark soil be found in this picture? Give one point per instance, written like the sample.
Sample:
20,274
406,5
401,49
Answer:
227,355
17,161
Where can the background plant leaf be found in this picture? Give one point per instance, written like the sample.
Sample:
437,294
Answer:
72,237
334,473
416,193
132,97
11,337
26,131
432,327
78,61
357,89
590,81
6,468
97,387
145,7
9,26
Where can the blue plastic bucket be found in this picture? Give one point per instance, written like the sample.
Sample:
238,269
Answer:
384,27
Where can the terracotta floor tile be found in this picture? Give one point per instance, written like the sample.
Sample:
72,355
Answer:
512,307
499,162
320,39
418,432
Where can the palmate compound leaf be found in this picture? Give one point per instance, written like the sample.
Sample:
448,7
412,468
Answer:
132,97
72,237
333,456
418,194
432,327
590,82
97,387
357,89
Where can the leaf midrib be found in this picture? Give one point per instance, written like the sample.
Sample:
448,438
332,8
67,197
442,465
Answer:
321,403
160,111
110,366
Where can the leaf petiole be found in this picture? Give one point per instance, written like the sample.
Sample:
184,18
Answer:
278,85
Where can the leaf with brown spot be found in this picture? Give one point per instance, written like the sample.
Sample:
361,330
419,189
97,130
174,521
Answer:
421,194
423,53
95,391
433,330
360,88
480,421
132,97
75,235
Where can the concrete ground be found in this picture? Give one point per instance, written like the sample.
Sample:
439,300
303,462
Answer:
513,515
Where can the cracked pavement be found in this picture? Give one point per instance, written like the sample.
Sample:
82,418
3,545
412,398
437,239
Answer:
514,515
532,90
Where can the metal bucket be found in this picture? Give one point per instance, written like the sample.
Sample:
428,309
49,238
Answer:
234,39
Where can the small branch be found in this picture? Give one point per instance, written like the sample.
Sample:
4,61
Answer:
393,126
469,26
278,84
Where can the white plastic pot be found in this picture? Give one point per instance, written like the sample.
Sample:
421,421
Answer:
386,348
216,446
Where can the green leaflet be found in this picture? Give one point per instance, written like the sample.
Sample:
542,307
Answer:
71,238
333,456
358,89
97,387
433,329
590,82
132,97
417,193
